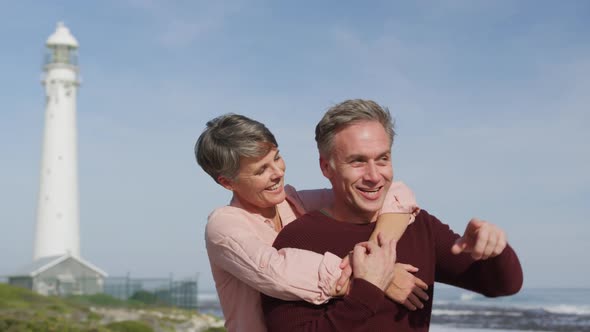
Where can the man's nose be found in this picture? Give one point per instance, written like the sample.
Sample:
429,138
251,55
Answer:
371,172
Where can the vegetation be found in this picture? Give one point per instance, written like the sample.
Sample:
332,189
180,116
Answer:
129,326
24,311
99,300
145,297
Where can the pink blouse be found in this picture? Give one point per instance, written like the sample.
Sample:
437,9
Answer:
244,263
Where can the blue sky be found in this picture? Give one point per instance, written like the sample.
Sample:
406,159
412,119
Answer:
491,101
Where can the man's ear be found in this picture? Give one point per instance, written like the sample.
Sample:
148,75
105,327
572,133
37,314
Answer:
325,167
225,182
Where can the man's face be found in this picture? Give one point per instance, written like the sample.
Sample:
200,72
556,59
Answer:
359,168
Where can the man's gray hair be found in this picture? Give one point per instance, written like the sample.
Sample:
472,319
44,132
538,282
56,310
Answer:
227,139
347,113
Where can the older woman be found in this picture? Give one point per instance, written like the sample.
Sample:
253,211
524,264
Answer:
242,155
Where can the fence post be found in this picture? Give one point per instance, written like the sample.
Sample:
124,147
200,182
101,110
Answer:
197,291
127,287
170,289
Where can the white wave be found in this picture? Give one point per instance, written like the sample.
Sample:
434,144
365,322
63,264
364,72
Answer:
467,296
566,309
500,313
438,312
449,312
515,310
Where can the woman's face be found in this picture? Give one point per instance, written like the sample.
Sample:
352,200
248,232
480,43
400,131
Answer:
259,184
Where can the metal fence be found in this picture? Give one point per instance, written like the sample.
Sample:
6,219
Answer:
179,293
165,291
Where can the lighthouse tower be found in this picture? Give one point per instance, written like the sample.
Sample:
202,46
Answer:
57,230
57,268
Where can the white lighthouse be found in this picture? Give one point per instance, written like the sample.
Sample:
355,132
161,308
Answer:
57,268
58,225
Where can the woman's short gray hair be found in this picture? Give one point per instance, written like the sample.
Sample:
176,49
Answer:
347,113
227,139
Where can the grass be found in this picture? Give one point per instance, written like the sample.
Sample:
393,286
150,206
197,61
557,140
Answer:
101,300
129,326
22,311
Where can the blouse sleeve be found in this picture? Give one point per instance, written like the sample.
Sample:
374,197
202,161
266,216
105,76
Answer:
312,199
401,199
288,274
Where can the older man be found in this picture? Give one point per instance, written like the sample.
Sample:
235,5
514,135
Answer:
354,140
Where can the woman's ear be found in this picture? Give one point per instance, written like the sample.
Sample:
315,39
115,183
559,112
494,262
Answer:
225,182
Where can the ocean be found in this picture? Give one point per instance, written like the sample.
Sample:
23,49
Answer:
532,309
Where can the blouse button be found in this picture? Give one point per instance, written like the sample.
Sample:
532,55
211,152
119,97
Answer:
269,223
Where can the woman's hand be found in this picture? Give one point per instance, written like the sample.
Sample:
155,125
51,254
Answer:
343,282
407,289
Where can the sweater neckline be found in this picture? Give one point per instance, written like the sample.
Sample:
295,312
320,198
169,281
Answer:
325,217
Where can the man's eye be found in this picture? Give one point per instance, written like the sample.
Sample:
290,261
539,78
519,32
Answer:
383,160
278,157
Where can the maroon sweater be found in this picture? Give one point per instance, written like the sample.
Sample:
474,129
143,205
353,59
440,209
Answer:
426,244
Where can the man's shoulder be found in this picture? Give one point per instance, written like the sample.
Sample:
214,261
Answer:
304,229
422,216
424,225
424,219
428,229
309,219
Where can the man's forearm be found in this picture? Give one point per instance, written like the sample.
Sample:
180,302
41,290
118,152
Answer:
498,276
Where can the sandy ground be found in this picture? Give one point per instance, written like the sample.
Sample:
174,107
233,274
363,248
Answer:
181,321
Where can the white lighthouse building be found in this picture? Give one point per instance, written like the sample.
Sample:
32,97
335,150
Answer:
57,211
57,268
